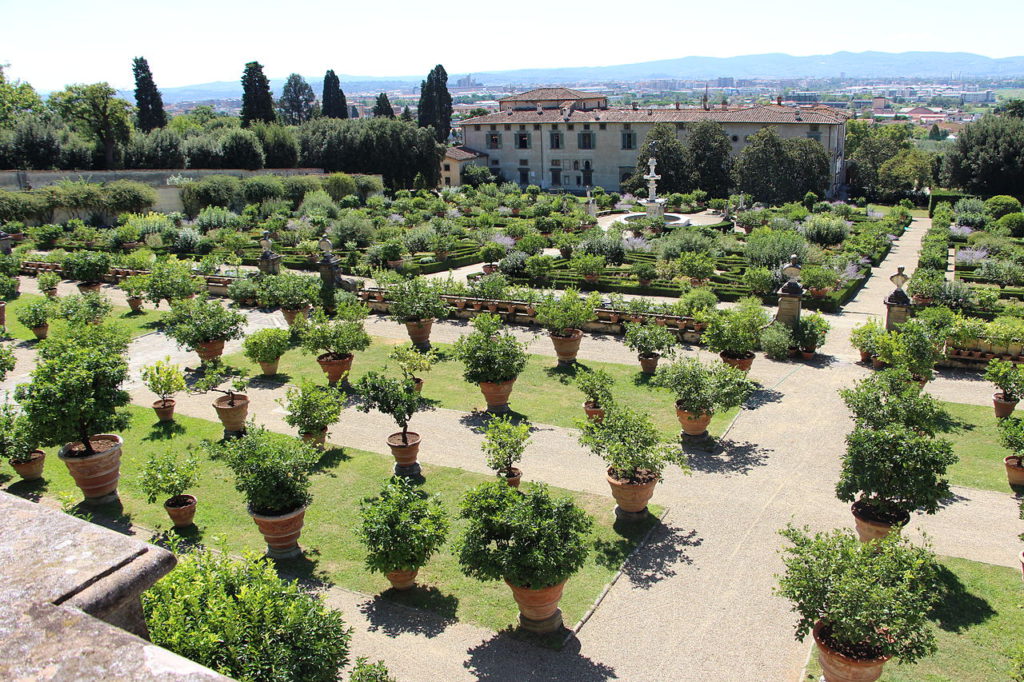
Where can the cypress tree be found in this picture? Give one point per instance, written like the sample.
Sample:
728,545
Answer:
296,102
435,107
334,103
407,114
257,102
147,98
383,108
426,113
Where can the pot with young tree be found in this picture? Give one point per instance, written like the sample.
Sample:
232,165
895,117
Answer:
504,444
698,266
172,280
334,341
636,456
81,309
1011,435
650,342
311,409
398,399
164,379
1009,379
735,333
47,282
74,399
644,272
863,603
563,316
810,333
401,528
203,326
864,338
265,347
393,253
293,294
88,267
701,390
18,445
890,398
165,476
490,253
819,281
492,358
912,347
588,266
529,539
134,288
596,386
36,315
412,361
417,303
233,406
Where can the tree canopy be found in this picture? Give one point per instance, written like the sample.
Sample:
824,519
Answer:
333,101
148,101
435,107
257,102
297,99
382,107
16,99
988,157
776,171
96,112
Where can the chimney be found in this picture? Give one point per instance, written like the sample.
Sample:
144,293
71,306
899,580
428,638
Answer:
650,112
540,111
677,104
635,106
778,100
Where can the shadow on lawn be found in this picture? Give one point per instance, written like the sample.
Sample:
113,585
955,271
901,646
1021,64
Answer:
111,516
164,431
958,609
29,490
509,655
305,568
332,457
653,559
423,610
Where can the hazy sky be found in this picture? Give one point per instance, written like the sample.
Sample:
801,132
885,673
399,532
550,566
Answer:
50,43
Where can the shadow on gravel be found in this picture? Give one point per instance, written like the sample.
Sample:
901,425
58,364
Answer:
422,610
731,457
477,420
655,559
763,396
509,656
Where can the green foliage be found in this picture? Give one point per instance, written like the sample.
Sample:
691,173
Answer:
768,248
312,407
736,331
394,397
910,347
998,206
36,313
585,264
489,352
561,314
696,265
504,443
336,337
266,345
630,445
289,291
239,618
297,101
435,105
890,398
88,308
88,267
17,442
163,378
364,671
1007,376
825,229
134,286
165,476
985,157
333,102
596,386
524,536
192,321
1011,434
643,271
664,146
649,340
776,340
412,360
150,113
704,388
865,336
416,299
95,111
401,528
760,280
811,330
1012,223
257,102
775,170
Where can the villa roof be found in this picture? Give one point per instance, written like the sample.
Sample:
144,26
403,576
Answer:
771,113
550,94
462,153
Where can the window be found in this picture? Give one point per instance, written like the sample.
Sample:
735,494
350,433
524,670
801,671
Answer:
524,162
476,127
494,162
508,126
524,176
447,166
570,126
494,140
556,177
522,127
556,140
628,139
579,181
586,140
556,163
602,126
735,138
447,180
494,127
522,140
586,126
576,165
536,126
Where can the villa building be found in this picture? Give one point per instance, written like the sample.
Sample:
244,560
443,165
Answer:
563,139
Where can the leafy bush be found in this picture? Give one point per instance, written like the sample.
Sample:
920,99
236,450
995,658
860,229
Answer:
416,299
704,388
649,340
364,671
172,280
697,265
312,408
1007,376
736,331
760,280
266,345
811,331
289,291
776,340
504,443
192,322
566,312
769,248
1013,223
88,308
890,398
336,338
36,313
163,378
489,352
394,397
401,528
88,267
865,336
816,277
596,386
164,476
910,347
17,442
630,445
998,206
825,229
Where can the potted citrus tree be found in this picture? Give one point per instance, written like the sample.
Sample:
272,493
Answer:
47,283
889,398
650,342
596,386
504,444
203,326
164,379
702,390
864,338
36,315
265,347
164,475
18,445
1011,434
493,358
134,288
862,603
171,280
735,333
293,294
563,316
1009,379
333,342
911,347
399,400
233,406
810,333
417,303
312,409
401,528
529,539
88,267
411,361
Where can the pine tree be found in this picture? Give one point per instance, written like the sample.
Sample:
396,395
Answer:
383,108
436,104
407,114
296,102
334,103
147,98
257,102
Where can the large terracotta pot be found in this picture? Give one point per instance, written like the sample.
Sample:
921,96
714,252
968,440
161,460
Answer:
135,303
839,668
419,331
41,331
402,580
31,470
181,509
96,475
290,316
538,608
631,497
496,394
869,529
232,416
335,366
1003,407
89,287
1014,469
514,476
566,347
270,368
316,439
648,364
404,454
593,413
281,532
210,350
743,363
693,424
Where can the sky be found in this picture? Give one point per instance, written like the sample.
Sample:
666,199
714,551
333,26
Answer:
51,43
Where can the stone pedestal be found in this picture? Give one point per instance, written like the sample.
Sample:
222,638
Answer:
549,624
623,515
896,313
269,263
655,209
330,270
789,309
591,208
704,442
408,470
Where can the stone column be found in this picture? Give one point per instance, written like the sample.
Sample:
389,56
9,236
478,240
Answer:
269,262
790,295
897,304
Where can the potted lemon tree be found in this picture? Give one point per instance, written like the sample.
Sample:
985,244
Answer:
334,342
417,303
18,445
596,386
563,316
504,444
650,342
493,358
164,379
266,347
701,390
164,475
398,399
203,326
312,409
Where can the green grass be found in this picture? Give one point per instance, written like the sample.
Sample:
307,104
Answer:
976,443
332,554
884,209
977,622
544,393
139,323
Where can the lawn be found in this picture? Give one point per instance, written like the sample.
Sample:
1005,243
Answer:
544,393
976,443
332,555
139,323
884,209
976,624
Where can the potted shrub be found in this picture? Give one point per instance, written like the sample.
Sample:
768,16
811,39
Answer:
244,291
502,522
311,409
493,358
650,342
563,316
134,288
596,386
644,272
334,341
203,326
889,398
492,252
401,528
864,338
165,380
863,603
81,309
810,333
417,303
88,267
410,361
165,476
818,280
392,251
777,341
925,285
74,400
588,266
734,333
36,316
399,400
1011,434
635,454
883,500
702,390
911,347
47,283
272,473
18,444
504,444
266,346
233,407
293,294
699,267
1009,379
171,280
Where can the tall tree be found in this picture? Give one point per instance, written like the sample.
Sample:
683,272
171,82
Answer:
334,103
147,98
662,144
435,107
383,108
709,158
257,102
1013,108
988,157
775,171
16,98
96,112
297,100
407,114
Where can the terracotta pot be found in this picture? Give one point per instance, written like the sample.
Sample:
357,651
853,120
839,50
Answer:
396,264
281,533
89,287
404,454
1003,408
41,331
419,331
496,394
232,416
869,529
402,580
50,293
539,607
648,364
316,439
270,368
96,475
591,279
291,315
865,356
566,347
839,668
743,363
164,409
31,470
417,384
876,363
693,424
807,354
135,303
631,497
334,366
1014,470
593,413
490,268
181,514
210,350
819,293
515,478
